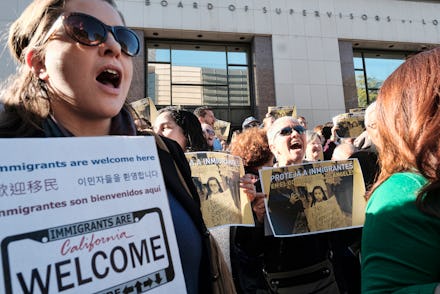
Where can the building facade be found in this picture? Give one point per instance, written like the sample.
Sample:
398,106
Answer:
241,56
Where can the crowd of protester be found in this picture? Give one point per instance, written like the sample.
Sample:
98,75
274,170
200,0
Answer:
69,84
331,262
257,260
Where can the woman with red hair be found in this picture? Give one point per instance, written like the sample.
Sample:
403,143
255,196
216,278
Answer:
401,235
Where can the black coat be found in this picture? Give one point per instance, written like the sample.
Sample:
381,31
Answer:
191,203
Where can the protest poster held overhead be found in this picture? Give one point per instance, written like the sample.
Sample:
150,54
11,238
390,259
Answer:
95,219
222,129
314,197
145,108
349,125
279,111
216,176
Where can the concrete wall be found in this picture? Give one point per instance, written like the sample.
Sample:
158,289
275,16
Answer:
305,34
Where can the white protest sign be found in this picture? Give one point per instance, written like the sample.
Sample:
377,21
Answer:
85,215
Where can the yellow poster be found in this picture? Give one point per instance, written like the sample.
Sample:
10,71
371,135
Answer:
145,108
222,129
314,197
279,111
216,176
349,125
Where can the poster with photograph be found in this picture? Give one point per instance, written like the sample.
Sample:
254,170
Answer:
145,108
85,215
222,129
216,176
356,110
279,111
349,125
314,197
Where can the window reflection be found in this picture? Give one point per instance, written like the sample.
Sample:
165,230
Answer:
238,85
158,83
187,95
199,58
198,74
234,57
371,70
215,95
159,53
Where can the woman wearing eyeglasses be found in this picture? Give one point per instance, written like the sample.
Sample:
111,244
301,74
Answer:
209,135
295,264
75,70
287,141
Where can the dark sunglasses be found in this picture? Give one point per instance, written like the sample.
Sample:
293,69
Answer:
210,132
288,130
90,31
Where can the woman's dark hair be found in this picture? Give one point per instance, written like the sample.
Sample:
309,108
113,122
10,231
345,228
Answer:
191,127
220,189
326,132
324,195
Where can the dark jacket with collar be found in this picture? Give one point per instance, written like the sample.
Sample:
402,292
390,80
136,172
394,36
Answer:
191,203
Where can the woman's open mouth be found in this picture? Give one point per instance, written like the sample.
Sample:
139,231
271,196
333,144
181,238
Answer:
110,77
296,145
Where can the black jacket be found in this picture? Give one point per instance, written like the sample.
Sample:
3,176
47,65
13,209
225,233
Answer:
191,203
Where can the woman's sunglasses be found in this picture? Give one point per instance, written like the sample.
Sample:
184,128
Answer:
90,31
288,130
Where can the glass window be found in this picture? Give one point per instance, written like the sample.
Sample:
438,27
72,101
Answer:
371,69
159,53
199,56
237,55
194,74
187,95
238,85
158,83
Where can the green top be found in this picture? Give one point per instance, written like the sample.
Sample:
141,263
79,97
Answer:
400,244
